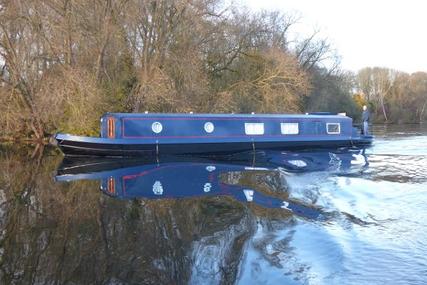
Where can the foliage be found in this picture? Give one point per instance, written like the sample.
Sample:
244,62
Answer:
332,93
63,63
270,81
394,96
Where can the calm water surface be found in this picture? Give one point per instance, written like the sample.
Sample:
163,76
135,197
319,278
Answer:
312,217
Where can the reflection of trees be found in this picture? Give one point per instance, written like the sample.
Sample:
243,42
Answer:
59,233
73,233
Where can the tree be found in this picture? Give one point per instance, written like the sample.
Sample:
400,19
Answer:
418,85
376,84
269,81
332,93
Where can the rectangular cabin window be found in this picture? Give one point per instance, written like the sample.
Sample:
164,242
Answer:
333,128
254,128
289,128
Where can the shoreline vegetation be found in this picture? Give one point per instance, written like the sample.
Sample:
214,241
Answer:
65,63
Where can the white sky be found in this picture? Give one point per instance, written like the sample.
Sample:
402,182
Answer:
366,33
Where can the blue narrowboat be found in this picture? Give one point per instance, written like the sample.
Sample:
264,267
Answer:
124,134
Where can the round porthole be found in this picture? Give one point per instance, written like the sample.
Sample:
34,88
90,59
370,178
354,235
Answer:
207,187
157,127
210,168
209,127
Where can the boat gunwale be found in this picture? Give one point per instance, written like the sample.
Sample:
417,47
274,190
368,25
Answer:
212,139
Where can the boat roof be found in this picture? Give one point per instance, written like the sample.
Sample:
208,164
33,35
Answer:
210,115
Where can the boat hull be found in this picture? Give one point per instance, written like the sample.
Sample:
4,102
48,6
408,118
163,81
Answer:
90,146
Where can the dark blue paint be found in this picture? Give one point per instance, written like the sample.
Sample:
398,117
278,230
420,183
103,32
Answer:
185,134
135,126
186,177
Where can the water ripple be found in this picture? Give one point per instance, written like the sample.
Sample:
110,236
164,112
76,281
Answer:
375,226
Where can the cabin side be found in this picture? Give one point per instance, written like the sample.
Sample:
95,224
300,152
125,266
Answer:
176,126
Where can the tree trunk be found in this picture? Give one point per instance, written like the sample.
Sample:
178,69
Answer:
383,108
36,124
422,111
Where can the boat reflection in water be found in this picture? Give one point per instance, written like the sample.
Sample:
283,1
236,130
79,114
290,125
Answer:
187,177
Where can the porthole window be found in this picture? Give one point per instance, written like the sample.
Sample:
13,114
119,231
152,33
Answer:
298,163
207,187
289,128
254,128
333,128
210,168
157,188
157,127
209,127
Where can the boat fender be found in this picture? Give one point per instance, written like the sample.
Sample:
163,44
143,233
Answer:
52,141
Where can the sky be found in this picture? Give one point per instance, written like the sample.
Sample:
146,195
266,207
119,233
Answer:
381,33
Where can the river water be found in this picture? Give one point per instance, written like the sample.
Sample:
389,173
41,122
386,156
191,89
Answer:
309,217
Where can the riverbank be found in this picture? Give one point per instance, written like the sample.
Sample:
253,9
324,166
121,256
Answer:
9,140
